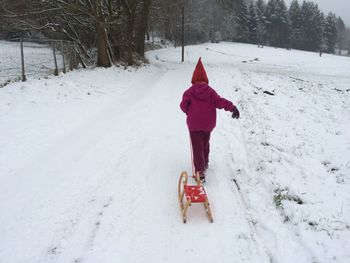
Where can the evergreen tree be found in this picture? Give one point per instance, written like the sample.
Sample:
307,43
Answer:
311,27
296,35
330,32
341,29
252,24
277,23
261,22
347,40
242,30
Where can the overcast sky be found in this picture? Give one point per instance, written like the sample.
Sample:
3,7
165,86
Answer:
339,7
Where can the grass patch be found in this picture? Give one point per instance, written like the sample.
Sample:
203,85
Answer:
284,195
9,81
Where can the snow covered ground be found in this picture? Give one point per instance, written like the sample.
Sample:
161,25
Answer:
38,60
90,160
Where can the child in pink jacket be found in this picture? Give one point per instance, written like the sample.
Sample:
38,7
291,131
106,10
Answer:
199,103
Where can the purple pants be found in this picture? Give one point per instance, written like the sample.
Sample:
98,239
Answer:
200,148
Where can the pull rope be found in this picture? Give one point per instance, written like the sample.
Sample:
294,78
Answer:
191,150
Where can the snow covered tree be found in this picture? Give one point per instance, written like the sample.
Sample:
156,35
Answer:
203,28
116,29
94,14
110,27
277,23
198,28
294,14
165,18
228,19
252,23
227,28
312,20
330,32
261,23
242,18
341,36
347,40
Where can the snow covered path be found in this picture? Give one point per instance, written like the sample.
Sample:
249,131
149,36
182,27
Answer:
89,164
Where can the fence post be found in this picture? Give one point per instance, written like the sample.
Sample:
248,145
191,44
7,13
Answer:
22,61
63,59
70,56
54,57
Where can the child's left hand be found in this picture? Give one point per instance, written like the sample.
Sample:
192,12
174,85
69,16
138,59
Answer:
235,113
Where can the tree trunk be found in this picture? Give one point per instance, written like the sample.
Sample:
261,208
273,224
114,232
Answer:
142,29
167,33
130,30
130,9
103,56
182,34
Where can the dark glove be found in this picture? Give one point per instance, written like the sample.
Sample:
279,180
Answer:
235,113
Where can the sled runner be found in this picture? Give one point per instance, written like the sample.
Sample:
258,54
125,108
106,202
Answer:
192,194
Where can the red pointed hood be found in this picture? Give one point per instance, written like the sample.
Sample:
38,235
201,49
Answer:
199,74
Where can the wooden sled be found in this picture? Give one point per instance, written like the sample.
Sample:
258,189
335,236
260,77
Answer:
192,194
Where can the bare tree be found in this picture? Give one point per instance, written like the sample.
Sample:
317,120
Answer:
130,7
71,19
97,12
142,27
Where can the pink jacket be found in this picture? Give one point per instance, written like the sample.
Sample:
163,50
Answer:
199,103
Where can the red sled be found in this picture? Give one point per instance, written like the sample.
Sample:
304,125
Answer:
192,194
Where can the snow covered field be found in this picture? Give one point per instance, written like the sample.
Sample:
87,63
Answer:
38,60
89,162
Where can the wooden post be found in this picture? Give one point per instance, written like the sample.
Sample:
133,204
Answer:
22,61
54,57
183,32
72,57
63,59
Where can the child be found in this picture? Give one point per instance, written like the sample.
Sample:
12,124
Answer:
199,103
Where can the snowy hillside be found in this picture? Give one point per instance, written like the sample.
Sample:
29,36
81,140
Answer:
90,160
